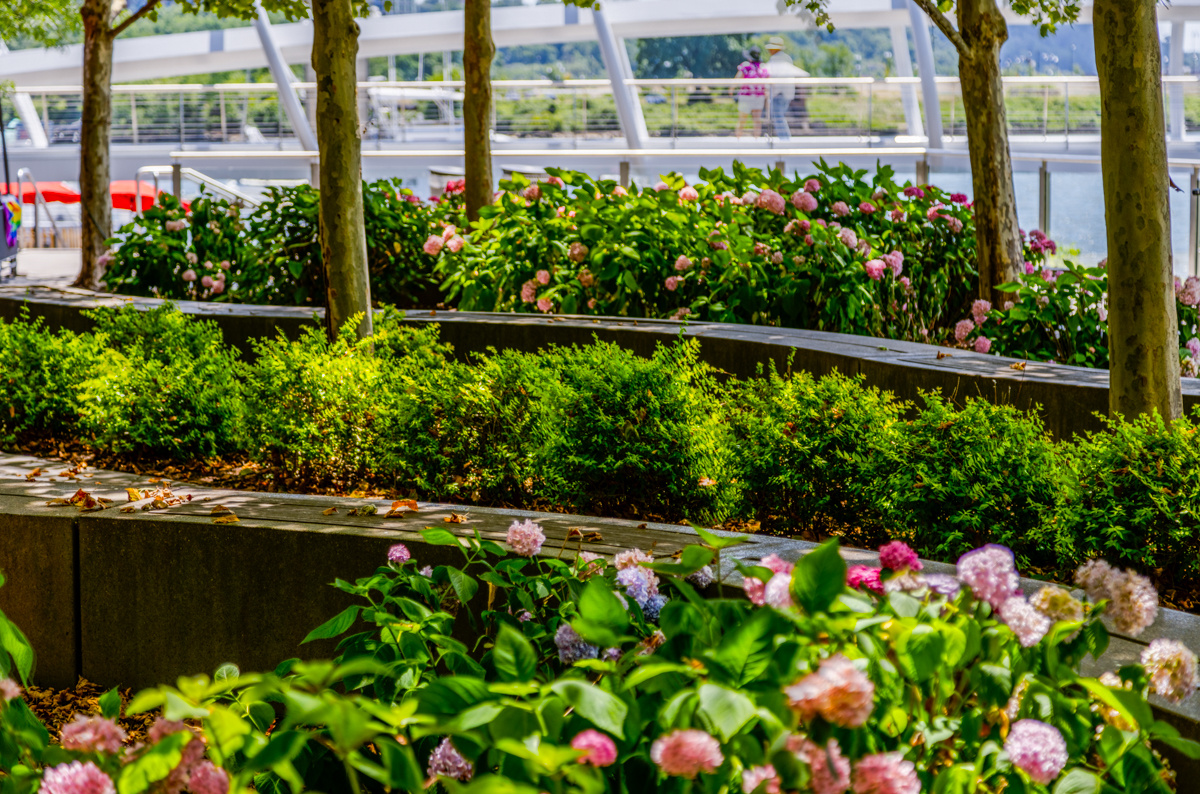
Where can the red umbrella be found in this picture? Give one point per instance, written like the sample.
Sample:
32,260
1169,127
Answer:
51,191
124,191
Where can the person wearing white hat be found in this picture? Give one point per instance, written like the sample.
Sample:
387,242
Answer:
781,94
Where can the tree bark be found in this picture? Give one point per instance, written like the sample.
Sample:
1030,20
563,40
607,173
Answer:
998,248
94,136
478,52
343,233
1142,327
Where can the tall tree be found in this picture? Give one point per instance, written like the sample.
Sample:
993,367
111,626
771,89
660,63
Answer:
1143,330
479,50
339,130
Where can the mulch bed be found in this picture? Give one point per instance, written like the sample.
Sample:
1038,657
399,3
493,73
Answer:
56,707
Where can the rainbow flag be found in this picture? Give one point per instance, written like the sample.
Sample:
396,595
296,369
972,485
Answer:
12,221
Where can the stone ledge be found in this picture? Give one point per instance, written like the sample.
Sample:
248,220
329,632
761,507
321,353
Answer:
1067,398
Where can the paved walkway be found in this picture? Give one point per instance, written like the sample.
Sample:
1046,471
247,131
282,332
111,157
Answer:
48,267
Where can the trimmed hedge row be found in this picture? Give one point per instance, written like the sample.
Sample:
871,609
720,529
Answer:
597,429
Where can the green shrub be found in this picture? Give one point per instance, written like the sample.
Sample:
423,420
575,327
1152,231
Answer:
40,372
808,449
170,386
622,435
1133,494
959,478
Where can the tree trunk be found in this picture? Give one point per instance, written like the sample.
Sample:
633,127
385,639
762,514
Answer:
343,233
94,168
998,237
1142,328
478,51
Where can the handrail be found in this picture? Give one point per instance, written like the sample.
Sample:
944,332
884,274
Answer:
38,201
197,176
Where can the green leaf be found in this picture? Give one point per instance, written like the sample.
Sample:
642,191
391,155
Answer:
818,578
693,559
154,764
513,656
465,585
1077,781
920,652
436,536
335,625
726,710
745,653
599,707
1188,747
602,619
110,704
717,541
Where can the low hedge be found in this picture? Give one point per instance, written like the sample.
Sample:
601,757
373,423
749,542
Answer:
599,430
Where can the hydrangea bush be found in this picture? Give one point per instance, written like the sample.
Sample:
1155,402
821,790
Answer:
590,675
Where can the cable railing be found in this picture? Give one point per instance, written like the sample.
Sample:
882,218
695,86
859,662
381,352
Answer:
1051,108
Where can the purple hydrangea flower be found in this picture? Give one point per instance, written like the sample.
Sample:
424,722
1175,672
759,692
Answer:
653,606
571,647
991,573
701,578
399,553
526,538
1038,749
445,761
640,583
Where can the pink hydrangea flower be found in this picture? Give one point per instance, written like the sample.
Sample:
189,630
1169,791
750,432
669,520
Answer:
688,193
979,311
898,556
963,329
455,243
631,558
983,344
874,268
553,180
433,245
218,286
591,304
885,773
804,201
189,275
895,261
755,776
543,277
526,538
958,198
577,252
599,749
840,209
207,281
687,753
864,576
778,591
399,553
660,186
771,201
671,283
955,224
620,191
914,192
1027,623
866,207
531,193
92,735
529,291
808,239
76,778
897,215
1037,749
1134,604
991,573
812,185
1171,668
588,563
838,691
1193,346
848,237
1030,269
682,263
544,305
208,779
586,277
906,283
445,761
9,690
830,769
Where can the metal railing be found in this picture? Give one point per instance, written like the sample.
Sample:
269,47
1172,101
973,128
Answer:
1054,108
178,173
24,175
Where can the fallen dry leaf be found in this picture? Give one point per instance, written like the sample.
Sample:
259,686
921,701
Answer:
1018,365
33,474
59,502
329,511
411,504
363,510
159,504
226,519
454,518
134,494
942,355
129,509
220,510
